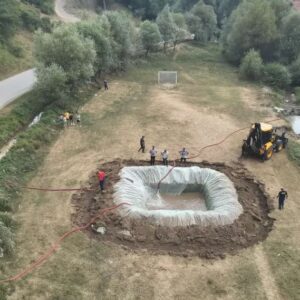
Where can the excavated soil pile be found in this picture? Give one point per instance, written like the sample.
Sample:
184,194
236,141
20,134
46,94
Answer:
251,227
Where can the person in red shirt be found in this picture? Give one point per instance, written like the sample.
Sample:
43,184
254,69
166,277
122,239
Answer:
101,176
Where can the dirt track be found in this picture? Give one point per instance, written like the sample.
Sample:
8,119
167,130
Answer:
252,226
63,14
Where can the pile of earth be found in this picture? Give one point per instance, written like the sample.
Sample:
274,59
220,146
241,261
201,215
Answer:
250,228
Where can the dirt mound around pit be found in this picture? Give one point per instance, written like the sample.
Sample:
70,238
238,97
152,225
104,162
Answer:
251,227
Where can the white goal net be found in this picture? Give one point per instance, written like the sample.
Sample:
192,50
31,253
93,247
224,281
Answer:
167,78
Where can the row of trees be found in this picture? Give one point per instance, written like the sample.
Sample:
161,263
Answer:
73,54
149,9
173,27
263,36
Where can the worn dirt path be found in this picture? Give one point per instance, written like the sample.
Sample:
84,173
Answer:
266,275
63,14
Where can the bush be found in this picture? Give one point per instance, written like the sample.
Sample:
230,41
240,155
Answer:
15,50
295,72
297,94
7,220
46,6
276,75
46,25
251,66
30,19
6,239
294,152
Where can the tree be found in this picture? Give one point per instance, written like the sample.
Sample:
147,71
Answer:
276,75
150,35
123,36
226,7
147,9
251,25
251,66
66,48
166,25
51,83
202,21
295,72
281,9
181,32
290,37
95,31
9,18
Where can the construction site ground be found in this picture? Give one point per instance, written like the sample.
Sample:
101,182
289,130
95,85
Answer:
209,102
209,242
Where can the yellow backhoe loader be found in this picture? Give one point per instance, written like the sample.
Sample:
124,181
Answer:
263,141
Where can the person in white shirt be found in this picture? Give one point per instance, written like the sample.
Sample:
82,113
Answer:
165,157
153,153
183,155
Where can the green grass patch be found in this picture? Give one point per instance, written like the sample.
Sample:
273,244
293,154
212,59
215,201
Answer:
27,107
285,262
18,166
294,152
17,56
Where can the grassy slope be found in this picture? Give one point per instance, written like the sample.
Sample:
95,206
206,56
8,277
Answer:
87,269
10,64
18,115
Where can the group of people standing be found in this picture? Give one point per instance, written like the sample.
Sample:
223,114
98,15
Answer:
282,195
69,119
164,154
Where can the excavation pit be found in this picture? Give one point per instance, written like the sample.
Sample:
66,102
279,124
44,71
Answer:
141,187
248,227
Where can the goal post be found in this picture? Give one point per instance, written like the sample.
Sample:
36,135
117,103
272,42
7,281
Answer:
167,77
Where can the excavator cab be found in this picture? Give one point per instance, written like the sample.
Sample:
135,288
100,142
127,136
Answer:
263,141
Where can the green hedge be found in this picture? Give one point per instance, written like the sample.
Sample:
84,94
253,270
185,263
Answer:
294,152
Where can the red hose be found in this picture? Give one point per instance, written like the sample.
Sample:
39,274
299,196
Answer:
42,259
206,147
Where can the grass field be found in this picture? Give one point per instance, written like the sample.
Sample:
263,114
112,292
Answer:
209,102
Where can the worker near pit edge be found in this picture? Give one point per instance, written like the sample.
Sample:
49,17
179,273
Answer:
142,144
165,157
282,195
153,153
183,155
105,82
101,176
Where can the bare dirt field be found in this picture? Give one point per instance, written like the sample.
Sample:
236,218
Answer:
196,113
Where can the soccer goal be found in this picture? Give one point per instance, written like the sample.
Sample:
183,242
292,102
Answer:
167,78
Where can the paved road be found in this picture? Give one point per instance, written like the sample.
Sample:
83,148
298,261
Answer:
16,86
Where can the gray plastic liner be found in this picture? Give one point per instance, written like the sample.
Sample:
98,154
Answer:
138,186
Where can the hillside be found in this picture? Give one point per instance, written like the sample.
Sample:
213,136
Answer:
18,21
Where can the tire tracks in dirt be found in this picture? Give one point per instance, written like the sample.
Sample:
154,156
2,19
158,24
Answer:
265,273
